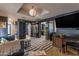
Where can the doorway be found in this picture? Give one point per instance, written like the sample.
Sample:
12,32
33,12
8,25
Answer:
44,30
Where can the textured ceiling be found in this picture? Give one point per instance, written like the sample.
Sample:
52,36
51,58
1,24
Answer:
48,9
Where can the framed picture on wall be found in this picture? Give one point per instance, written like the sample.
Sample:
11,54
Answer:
2,24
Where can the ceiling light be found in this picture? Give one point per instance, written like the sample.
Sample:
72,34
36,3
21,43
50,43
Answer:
32,12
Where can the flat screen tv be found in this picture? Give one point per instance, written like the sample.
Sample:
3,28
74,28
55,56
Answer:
69,21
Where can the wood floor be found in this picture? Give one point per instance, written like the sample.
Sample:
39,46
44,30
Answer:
55,52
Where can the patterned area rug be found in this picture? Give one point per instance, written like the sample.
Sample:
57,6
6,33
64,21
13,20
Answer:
39,44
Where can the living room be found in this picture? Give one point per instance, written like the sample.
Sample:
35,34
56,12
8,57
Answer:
37,29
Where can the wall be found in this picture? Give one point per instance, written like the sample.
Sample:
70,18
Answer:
11,20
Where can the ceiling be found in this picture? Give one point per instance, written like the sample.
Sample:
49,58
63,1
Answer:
50,10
